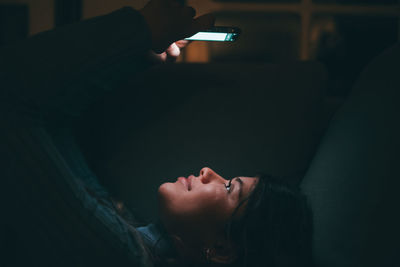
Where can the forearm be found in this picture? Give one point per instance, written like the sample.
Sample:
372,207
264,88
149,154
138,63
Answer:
64,69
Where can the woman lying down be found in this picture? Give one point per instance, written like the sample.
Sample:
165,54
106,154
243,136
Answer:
242,221
60,215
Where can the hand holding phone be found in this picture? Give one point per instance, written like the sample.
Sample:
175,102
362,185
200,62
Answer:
217,34
169,21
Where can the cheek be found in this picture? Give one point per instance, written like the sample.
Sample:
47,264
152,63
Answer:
192,208
167,194
210,202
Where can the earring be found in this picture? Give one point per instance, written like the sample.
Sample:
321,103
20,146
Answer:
208,253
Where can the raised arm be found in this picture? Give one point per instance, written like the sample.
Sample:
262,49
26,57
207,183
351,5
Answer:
57,219
63,69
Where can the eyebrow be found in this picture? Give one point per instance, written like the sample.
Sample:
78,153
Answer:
240,186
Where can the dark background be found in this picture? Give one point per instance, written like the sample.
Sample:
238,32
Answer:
344,43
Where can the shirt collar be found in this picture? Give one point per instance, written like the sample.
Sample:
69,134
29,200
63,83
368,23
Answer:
157,239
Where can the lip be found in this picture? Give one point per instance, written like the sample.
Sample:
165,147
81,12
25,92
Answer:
184,181
189,180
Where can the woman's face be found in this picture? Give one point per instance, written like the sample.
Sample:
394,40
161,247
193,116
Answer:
198,207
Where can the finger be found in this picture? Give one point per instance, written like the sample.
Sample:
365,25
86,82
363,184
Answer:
182,43
201,23
173,50
163,57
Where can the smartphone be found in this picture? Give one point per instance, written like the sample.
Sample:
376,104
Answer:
217,34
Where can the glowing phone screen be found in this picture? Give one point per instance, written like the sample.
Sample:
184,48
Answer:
213,36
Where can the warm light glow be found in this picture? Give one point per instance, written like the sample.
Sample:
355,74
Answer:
197,52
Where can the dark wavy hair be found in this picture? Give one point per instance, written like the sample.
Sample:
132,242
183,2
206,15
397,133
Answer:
276,228
274,231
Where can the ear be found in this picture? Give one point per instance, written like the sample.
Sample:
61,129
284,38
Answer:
223,253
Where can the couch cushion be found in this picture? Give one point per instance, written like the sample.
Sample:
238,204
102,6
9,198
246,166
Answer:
353,181
237,119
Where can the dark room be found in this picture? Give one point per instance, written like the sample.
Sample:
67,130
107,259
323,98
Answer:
229,133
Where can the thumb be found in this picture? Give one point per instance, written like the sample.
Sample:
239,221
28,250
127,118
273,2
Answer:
201,23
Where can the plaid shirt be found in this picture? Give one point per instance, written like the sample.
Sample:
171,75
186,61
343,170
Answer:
57,214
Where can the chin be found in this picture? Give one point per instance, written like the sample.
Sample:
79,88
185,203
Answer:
164,190
166,193
165,198
162,194
170,191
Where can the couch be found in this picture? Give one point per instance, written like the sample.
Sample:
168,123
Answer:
243,118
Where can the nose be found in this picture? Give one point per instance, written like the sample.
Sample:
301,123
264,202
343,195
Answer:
207,175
